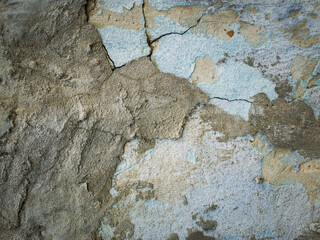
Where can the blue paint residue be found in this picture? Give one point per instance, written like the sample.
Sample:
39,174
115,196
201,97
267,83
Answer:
191,156
119,5
124,45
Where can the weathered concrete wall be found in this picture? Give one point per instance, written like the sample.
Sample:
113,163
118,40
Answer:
148,119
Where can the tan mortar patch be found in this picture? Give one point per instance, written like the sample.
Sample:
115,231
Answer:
302,69
278,172
294,13
313,15
187,16
204,71
130,19
254,34
218,25
251,10
300,35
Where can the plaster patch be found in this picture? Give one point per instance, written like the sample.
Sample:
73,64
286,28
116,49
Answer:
301,36
164,25
119,6
283,167
204,71
176,19
302,69
255,34
124,45
247,208
250,9
129,19
172,56
239,108
218,24
238,78
177,54
164,5
159,109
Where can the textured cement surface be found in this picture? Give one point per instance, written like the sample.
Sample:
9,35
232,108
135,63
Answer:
149,119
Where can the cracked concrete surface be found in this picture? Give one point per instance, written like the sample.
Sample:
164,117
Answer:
148,119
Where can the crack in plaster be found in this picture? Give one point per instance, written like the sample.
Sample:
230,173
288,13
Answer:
145,27
232,100
181,33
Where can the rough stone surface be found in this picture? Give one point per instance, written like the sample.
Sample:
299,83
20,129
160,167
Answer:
149,119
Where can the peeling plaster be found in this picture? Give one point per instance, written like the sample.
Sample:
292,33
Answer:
167,4
233,52
124,45
119,6
211,172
